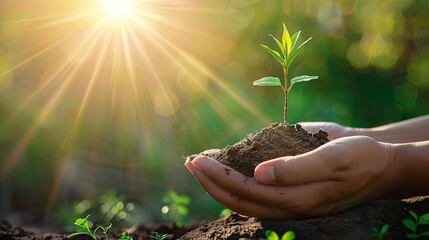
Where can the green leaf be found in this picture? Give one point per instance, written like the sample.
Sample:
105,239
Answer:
410,224
294,39
424,234
77,234
289,235
267,82
303,78
424,219
412,235
280,46
271,235
286,40
384,229
294,53
375,230
414,215
275,54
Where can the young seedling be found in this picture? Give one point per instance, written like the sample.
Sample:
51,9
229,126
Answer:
158,236
380,234
125,236
83,223
271,235
288,51
414,223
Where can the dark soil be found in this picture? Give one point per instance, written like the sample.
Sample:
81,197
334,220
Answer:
355,223
139,232
276,140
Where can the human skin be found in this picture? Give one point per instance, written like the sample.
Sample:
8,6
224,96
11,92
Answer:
340,174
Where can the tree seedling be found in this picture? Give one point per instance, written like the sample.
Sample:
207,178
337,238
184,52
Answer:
414,223
271,235
380,234
288,51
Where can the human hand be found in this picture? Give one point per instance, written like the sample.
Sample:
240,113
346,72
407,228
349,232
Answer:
327,180
334,130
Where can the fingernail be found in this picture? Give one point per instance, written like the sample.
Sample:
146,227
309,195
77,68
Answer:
189,166
265,174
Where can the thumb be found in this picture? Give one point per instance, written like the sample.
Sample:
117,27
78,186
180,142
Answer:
313,166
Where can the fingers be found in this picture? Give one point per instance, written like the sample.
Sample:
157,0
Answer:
314,166
246,196
235,202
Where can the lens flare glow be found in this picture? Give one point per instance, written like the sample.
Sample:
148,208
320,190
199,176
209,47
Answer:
118,9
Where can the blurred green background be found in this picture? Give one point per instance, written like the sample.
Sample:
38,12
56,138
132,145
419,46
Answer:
94,108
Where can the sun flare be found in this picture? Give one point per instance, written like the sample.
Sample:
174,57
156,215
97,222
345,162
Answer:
118,9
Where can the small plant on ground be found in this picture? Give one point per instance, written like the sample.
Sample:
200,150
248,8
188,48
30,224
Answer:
85,229
271,235
414,224
289,51
380,234
158,236
83,225
125,236
176,207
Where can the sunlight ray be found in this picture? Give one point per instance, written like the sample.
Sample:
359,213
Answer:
67,63
71,134
235,94
19,149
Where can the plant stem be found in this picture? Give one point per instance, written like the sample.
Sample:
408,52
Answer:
286,91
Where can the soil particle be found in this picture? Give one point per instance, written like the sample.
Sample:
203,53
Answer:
276,140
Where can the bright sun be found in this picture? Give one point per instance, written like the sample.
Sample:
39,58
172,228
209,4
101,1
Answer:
118,9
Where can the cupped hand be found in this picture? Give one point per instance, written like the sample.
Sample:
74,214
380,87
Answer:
325,181
333,129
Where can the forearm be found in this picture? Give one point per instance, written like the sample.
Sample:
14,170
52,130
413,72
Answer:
411,170
412,130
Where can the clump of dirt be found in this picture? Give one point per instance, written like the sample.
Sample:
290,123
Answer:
276,140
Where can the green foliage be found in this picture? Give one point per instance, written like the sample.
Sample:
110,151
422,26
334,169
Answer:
176,207
414,223
225,212
289,52
380,234
287,47
268,82
85,229
158,236
126,236
271,235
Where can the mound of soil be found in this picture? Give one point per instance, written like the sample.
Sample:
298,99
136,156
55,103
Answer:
355,223
276,140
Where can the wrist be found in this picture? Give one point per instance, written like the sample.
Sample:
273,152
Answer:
409,165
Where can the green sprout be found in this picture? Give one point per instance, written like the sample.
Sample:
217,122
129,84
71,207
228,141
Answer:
83,224
176,207
158,236
414,223
289,51
125,236
380,234
271,235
